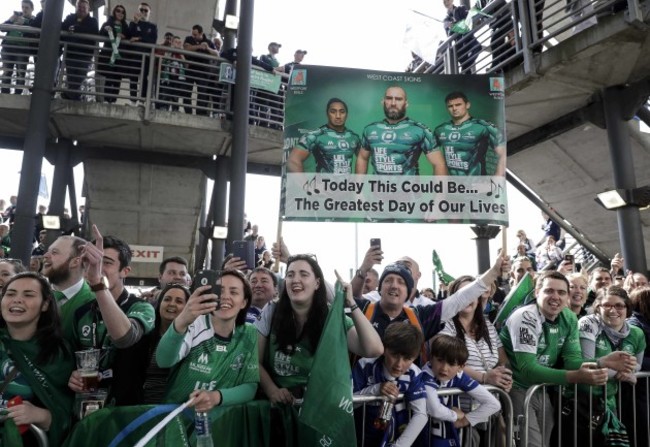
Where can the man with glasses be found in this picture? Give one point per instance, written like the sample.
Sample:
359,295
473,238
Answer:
538,338
141,30
63,266
78,53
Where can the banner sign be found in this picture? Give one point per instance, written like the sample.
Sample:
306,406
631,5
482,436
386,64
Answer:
371,146
260,79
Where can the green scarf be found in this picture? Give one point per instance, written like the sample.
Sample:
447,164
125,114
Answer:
48,382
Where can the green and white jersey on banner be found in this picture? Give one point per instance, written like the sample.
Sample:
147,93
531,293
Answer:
209,362
396,148
332,150
527,332
470,147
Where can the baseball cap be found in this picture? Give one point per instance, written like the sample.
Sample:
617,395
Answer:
276,44
301,51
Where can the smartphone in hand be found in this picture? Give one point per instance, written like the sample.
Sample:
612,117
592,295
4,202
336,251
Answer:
375,242
245,250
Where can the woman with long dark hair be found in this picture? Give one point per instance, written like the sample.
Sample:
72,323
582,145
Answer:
34,361
487,359
211,349
110,65
289,331
171,302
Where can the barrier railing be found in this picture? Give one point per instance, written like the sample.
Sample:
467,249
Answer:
512,32
361,402
569,403
40,436
154,77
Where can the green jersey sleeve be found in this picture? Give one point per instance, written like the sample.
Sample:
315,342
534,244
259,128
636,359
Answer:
144,313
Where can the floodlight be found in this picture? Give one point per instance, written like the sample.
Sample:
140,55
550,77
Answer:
612,200
618,198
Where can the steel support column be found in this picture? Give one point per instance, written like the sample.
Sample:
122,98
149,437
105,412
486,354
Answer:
620,151
37,123
483,235
230,35
219,211
239,157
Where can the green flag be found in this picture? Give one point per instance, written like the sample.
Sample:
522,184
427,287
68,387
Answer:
326,415
437,265
465,26
518,296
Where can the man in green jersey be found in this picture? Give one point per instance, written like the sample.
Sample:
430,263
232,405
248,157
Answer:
397,142
114,323
332,145
63,266
540,336
471,146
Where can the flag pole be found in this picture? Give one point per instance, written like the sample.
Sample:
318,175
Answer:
159,426
504,241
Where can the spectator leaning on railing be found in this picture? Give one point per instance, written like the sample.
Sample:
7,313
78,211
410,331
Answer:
15,53
78,54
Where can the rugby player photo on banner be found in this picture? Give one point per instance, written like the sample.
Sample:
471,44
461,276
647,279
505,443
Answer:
371,146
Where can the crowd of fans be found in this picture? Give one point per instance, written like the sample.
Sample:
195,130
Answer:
180,340
119,58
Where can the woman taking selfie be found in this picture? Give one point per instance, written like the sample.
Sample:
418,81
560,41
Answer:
212,350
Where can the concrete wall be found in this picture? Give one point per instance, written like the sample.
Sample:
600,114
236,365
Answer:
145,205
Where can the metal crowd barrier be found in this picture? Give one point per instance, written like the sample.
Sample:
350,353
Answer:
40,436
150,76
361,402
632,409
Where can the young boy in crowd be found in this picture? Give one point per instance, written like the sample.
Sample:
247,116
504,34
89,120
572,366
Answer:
390,375
445,370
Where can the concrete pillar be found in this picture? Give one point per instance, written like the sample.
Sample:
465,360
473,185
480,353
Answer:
219,212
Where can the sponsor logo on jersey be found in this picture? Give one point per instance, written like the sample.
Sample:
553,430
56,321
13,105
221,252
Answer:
203,358
544,360
388,136
85,330
238,363
525,337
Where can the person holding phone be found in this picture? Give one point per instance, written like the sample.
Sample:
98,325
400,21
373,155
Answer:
289,331
211,349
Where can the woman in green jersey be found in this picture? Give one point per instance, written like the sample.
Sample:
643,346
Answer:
290,329
601,333
212,350
34,362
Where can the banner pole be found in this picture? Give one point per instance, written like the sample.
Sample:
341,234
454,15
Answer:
504,241
278,238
